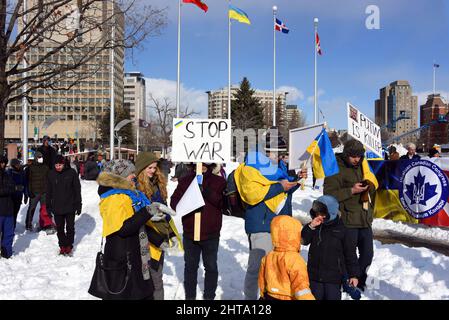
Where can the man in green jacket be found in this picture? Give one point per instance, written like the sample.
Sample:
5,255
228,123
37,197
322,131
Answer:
348,187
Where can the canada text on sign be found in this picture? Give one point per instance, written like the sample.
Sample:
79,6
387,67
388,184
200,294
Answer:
201,140
363,129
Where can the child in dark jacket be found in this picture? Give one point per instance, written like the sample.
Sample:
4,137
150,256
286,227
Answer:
331,256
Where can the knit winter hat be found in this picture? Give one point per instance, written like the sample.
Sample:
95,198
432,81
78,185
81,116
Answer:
14,162
119,167
354,148
144,159
59,159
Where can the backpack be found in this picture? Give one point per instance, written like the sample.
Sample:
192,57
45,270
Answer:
234,205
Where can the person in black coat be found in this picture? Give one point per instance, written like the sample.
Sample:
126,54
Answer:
122,225
17,174
7,190
64,202
411,153
91,169
332,257
48,152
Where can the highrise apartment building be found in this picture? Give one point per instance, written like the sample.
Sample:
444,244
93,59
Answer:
79,108
134,96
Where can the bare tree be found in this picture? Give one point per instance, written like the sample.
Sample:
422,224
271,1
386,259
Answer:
81,29
165,112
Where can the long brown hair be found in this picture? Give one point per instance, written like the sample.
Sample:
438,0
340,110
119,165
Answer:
146,186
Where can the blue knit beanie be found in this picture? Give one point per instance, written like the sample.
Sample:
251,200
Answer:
332,205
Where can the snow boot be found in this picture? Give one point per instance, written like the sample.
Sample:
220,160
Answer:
68,251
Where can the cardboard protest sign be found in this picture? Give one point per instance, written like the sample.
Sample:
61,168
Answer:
201,140
361,128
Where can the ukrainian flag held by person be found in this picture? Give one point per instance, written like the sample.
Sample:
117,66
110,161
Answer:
324,163
238,14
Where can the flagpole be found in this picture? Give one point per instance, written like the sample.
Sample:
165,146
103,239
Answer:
434,69
179,59
229,62
138,125
24,100
315,100
275,8
112,113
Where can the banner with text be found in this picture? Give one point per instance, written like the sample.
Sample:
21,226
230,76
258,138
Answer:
363,129
201,140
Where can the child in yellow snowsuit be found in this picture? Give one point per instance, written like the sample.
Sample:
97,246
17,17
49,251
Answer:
283,272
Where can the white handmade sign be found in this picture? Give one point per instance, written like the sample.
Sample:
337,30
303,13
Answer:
201,140
361,128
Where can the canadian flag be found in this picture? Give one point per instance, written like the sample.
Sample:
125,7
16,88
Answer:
317,43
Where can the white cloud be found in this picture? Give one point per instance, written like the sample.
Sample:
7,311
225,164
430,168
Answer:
195,99
294,94
422,96
319,93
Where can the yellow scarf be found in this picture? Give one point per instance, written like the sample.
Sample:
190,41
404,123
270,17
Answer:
253,187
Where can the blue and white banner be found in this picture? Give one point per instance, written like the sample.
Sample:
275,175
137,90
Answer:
423,189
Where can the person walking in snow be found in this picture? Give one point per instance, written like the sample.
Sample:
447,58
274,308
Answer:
354,188
124,213
64,202
161,234
17,174
213,187
7,191
37,189
283,272
332,257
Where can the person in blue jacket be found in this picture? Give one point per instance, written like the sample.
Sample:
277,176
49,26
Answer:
17,174
267,192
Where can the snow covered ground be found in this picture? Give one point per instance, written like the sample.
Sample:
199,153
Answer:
36,271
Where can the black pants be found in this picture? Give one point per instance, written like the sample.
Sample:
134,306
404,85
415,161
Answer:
325,290
17,203
362,238
65,227
208,249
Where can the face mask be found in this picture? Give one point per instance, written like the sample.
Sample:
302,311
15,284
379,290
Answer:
40,160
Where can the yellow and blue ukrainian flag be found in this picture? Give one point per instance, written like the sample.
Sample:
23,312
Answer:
238,14
324,163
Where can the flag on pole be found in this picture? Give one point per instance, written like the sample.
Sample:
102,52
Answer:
280,26
324,163
317,44
198,3
238,14
436,65
143,124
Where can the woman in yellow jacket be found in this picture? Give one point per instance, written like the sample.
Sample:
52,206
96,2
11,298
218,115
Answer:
283,272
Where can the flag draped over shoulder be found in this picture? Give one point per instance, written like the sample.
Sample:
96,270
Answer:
198,3
253,186
238,14
324,163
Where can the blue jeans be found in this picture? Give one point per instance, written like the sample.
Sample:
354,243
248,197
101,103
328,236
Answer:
7,230
208,249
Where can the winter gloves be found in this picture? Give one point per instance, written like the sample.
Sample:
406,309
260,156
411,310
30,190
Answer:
159,211
354,292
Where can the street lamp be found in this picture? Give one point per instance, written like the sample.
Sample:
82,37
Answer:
117,128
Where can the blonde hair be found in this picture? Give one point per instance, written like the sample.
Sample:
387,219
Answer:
146,185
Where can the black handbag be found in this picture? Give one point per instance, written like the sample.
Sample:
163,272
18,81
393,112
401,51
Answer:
103,273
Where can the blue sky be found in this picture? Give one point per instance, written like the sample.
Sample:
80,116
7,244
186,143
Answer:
355,64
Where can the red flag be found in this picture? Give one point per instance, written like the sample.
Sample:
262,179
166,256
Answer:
200,4
317,43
